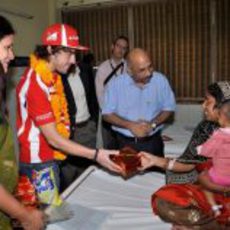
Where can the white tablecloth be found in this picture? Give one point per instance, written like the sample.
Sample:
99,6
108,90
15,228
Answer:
108,202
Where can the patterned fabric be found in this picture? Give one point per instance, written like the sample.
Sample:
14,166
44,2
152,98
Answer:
182,203
187,205
173,213
203,131
225,89
8,166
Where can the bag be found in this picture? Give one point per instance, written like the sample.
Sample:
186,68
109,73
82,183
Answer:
112,73
45,186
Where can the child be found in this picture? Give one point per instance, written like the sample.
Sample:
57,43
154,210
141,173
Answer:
217,147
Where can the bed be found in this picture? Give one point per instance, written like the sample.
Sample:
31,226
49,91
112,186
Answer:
104,201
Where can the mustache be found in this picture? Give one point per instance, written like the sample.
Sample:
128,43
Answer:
144,80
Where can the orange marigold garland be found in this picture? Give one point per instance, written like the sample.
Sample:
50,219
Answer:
57,98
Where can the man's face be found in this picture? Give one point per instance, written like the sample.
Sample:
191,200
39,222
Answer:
63,59
210,112
6,51
142,70
119,49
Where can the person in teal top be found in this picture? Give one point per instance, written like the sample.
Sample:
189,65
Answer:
9,206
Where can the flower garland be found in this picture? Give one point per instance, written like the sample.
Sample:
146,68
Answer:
57,98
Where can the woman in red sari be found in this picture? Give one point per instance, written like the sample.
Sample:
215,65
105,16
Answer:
181,202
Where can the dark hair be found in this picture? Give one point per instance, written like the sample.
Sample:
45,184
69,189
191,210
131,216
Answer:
121,37
215,90
5,28
42,52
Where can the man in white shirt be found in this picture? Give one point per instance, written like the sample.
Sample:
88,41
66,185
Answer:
112,67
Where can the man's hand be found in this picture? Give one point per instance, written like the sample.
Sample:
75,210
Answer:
140,128
104,160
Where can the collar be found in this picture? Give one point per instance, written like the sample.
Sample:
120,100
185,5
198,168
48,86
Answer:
114,64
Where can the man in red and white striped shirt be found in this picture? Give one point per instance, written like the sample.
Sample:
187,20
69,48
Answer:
37,125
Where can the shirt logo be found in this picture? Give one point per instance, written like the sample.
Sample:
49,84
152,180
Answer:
52,37
73,38
44,116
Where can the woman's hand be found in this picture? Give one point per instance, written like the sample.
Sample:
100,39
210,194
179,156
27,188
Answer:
104,160
147,160
34,220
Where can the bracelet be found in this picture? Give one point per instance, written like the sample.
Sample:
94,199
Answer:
96,155
171,164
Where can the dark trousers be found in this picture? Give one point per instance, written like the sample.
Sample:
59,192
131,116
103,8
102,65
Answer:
73,166
153,144
108,136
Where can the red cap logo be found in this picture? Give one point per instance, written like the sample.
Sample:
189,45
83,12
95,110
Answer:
62,35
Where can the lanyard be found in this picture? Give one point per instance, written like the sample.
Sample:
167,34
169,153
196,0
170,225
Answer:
113,68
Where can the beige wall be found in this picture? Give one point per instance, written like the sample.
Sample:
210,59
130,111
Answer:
28,30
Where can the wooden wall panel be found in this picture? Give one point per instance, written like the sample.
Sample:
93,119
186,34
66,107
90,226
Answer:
188,40
223,40
177,35
99,27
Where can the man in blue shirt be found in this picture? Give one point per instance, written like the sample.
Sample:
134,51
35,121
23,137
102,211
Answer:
138,103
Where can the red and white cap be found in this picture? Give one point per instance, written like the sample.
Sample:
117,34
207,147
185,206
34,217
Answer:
62,35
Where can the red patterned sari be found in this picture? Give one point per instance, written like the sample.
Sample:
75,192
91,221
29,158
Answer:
190,199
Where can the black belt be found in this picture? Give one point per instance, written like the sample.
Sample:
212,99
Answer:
82,124
138,139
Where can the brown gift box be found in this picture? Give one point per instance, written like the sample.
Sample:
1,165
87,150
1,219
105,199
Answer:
128,160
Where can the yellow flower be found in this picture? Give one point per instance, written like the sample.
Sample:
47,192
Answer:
57,98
